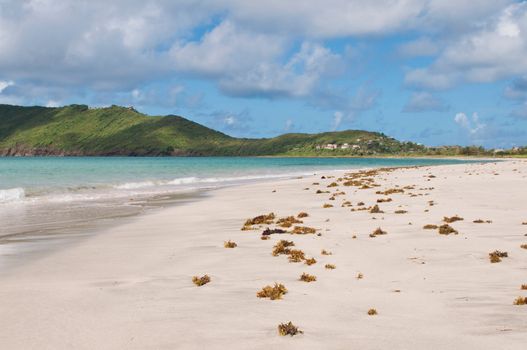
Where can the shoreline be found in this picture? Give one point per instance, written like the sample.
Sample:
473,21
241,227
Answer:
19,248
131,286
373,156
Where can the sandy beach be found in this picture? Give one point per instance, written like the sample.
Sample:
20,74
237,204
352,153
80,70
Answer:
130,287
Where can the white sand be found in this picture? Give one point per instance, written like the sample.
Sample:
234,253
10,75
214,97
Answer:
130,287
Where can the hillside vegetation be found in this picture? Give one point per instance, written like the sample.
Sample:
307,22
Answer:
80,130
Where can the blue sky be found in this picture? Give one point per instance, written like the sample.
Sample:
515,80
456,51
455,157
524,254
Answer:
430,71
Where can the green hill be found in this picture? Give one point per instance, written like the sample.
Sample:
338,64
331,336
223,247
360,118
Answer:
80,130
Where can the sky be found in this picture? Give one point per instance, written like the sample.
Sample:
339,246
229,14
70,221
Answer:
430,71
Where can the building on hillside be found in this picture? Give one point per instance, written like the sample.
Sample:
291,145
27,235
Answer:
331,146
345,146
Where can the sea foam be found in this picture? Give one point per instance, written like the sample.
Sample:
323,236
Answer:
12,194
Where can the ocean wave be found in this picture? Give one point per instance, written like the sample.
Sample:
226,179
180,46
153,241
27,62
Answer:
104,192
183,181
135,185
12,194
195,180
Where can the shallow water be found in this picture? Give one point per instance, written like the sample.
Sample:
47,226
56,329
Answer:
84,179
45,201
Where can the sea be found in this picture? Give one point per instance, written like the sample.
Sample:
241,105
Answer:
51,199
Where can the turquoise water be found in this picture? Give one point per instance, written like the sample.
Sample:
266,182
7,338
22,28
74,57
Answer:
49,201
65,179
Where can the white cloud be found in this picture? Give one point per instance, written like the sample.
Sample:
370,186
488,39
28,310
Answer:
424,102
226,49
341,18
327,18
496,50
461,119
473,126
52,103
229,120
5,84
248,48
298,77
289,125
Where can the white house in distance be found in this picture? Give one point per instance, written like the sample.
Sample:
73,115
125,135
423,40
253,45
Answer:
334,146
331,146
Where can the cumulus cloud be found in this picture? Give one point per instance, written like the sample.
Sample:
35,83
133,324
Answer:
298,77
473,126
5,84
341,18
495,50
264,49
424,102
226,49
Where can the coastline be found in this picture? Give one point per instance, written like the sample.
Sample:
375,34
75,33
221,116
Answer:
131,286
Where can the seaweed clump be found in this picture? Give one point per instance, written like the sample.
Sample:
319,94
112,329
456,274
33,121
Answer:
302,215
383,200
230,244
330,266
305,277
310,261
269,231
520,301
375,209
430,227
282,247
452,219
372,312
296,255
303,230
272,292
480,221
200,281
495,256
390,191
288,221
288,329
325,252
446,229
378,232
266,219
